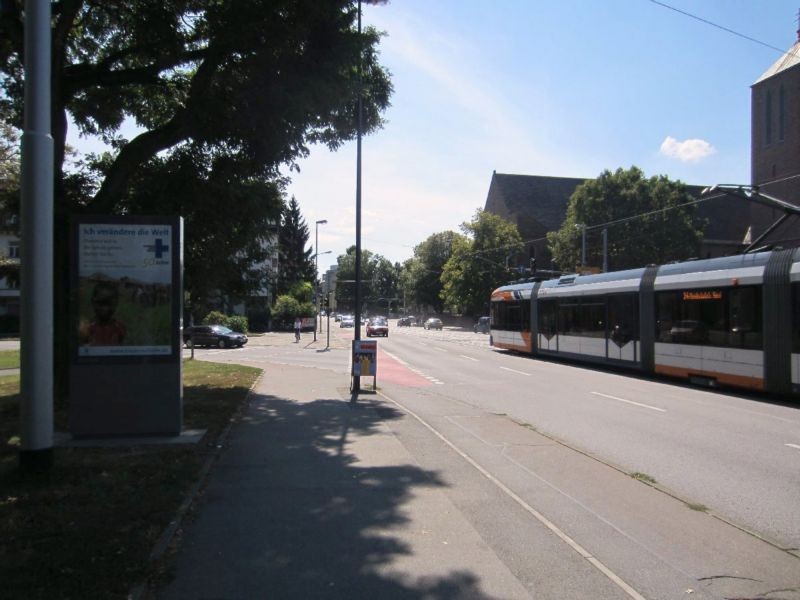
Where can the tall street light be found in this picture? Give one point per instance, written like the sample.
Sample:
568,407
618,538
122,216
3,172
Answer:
316,275
357,332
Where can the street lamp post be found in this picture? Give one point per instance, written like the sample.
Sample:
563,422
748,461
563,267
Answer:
582,227
316,275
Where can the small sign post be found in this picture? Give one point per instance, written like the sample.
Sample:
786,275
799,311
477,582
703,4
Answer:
365,360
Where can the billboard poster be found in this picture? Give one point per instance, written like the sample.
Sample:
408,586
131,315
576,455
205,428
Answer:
125,279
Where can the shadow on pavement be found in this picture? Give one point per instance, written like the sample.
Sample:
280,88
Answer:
292,513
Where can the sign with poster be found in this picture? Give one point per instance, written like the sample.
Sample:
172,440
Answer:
125,274
126,307
365,359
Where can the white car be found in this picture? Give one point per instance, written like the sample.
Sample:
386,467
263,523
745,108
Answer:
347,321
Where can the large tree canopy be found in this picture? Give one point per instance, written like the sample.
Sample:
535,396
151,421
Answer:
259,80
653,222
422,274
479,262
379,279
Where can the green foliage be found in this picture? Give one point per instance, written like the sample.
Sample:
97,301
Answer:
477,264
224,250
296,262
665,231
215,318
286,309
421,279
379,279
238,323
302,291
306,309
234,322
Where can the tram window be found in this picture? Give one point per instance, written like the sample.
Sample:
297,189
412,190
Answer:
744,318
585,317
548,318
796,317
568,319
726,317
623,318
511,316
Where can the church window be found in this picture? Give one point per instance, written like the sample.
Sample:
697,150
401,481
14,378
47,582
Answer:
768,119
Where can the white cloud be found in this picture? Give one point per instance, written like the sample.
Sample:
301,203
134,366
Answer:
693,150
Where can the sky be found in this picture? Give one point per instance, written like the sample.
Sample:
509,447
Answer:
533,87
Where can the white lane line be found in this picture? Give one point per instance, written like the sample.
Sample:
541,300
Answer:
793,446
583,552
629,402
515,371
468,357
440,349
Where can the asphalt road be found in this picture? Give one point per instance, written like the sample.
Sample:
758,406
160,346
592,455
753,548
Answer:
734,455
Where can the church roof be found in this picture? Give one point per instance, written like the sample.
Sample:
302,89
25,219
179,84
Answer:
543,198
785,62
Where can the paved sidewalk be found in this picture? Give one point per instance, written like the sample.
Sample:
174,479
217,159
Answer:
316,498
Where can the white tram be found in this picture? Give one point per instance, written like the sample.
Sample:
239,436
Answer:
731,321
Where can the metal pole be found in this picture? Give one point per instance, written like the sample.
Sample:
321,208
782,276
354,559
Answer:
583,245
316,276
36,256
357,332
605,249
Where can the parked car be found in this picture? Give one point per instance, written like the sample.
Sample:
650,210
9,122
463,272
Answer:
483,325
378,326
406,321
347,321
433,323
213,335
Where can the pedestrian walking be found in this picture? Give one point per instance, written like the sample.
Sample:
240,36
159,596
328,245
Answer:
297,325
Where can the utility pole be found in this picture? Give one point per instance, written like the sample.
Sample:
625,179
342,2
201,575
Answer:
316,276
36,257
357,324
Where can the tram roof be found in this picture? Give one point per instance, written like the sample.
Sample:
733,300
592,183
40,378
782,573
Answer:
694,266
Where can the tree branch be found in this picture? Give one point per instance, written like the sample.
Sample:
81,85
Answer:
138,151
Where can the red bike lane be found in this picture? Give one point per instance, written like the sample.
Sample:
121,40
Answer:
390,369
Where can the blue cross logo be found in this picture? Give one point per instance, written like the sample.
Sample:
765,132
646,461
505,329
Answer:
159,248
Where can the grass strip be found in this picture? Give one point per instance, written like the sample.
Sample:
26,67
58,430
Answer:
86,529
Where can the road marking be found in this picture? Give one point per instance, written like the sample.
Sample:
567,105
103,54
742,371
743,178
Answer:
468,357
440,349
515,371
629,402
618,581
793,446
413,369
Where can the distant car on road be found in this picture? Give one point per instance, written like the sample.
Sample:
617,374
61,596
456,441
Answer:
433,323
378,326
483,325
213,335
406,321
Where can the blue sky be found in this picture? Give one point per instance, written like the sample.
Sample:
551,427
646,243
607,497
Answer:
567,88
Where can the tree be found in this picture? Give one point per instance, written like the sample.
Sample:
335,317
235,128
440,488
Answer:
478,262
224,250
252,84
656,226
422,278
259,80
296,262
379,279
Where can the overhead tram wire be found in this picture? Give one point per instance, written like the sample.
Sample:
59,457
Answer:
723,28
